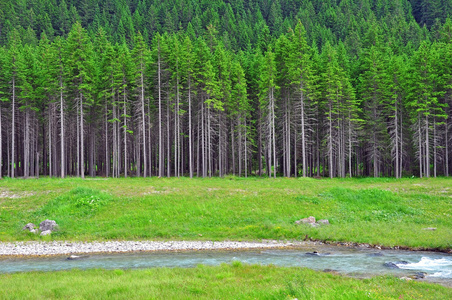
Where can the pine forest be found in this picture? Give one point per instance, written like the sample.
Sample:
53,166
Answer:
293,88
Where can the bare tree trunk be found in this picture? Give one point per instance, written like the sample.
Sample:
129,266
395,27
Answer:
220,142
62,137
149,140
401,145
82,150
168,146
190,137
396,122
447,146
107,142
78,141
50,142
114,148
126,165
198,151
143,120
330,140
427,148
349,145
239,146
203,144
1,143
259,146
209,142
246,150
160,114
434,148
303,130
420,147
13,131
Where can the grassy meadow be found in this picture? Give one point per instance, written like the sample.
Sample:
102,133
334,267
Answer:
234,281
376,211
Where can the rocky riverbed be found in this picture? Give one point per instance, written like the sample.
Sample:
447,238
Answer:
60,247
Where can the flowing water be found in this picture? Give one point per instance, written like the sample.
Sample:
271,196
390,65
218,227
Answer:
355,262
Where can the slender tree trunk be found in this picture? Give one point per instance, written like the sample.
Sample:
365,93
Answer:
330,140
401,145
1,144
143,120
209,141
126,165
13,131
160,114
78,141
427,148
447,146
420,147
273,134
259,145
51,143
239,146
190,137
62,137
349,145
396,122
168,145
246,150
303,131
434,148
82,152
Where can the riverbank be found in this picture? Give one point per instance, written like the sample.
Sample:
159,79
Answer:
51,248
33,248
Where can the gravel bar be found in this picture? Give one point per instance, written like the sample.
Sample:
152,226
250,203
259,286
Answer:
61,247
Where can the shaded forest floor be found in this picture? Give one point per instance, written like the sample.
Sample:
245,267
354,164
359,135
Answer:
381,211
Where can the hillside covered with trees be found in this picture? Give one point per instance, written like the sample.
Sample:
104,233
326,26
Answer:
209,88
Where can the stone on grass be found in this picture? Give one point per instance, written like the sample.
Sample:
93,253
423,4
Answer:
323,222
30,227
48,225
46,232
310,220
429,228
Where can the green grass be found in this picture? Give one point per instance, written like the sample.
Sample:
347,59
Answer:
235,281
378,211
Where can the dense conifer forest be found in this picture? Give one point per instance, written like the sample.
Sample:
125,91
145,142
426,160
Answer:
210,88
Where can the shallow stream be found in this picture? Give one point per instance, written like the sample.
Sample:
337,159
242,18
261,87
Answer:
355,262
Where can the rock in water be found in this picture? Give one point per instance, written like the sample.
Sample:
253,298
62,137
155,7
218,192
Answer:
75,257
48,225
30,227
418,275
46,232
375,254
393,265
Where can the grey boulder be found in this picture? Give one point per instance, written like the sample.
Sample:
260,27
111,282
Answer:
30,227
46,232
48,225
